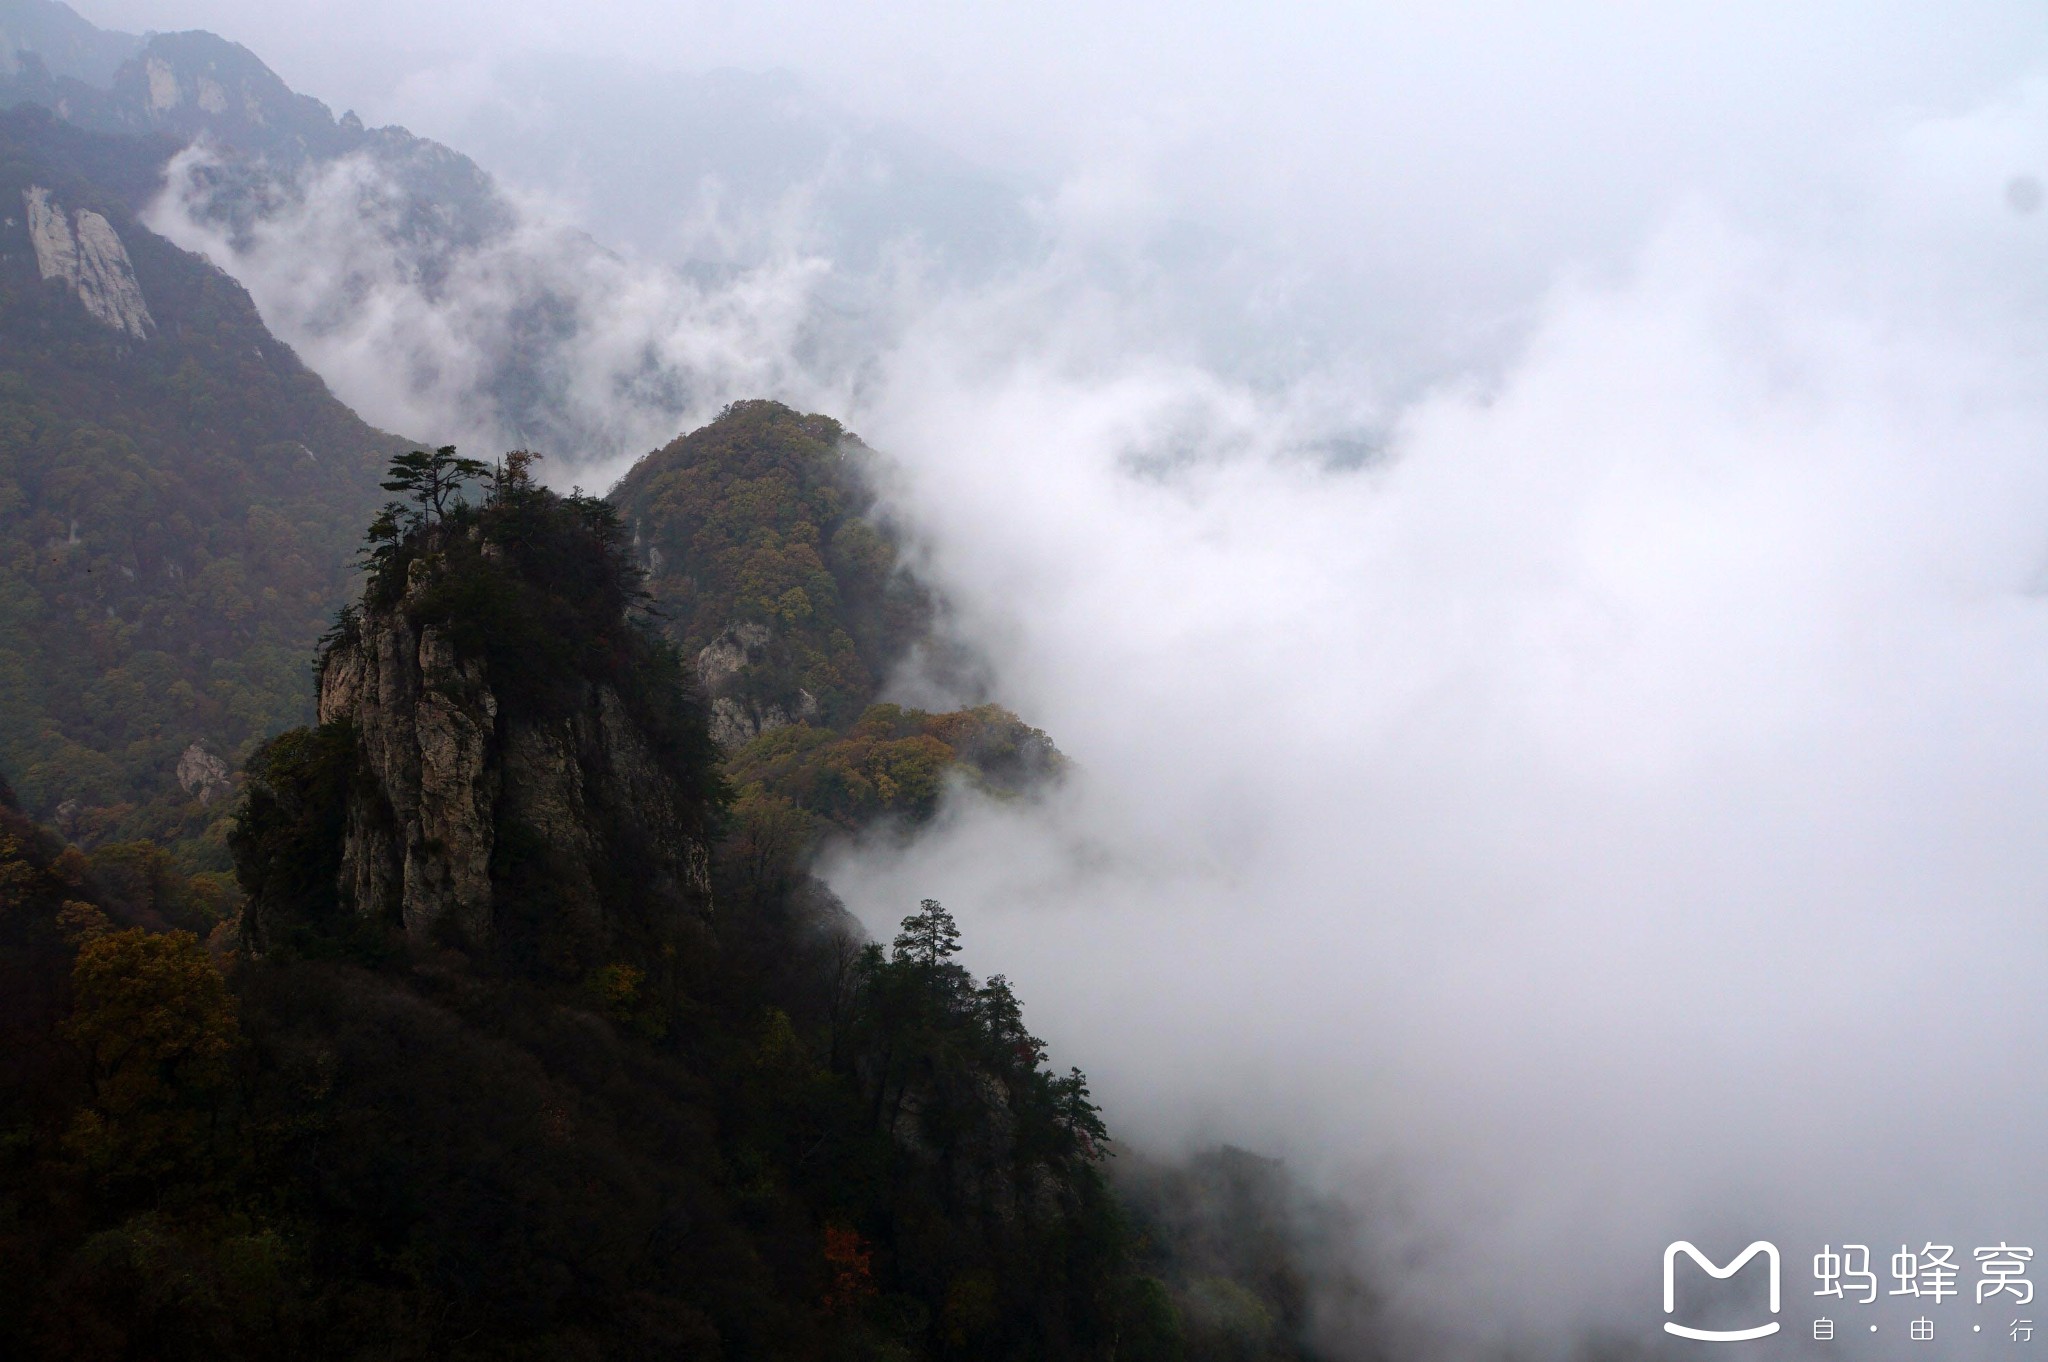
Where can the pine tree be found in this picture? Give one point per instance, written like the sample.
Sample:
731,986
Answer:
433,481
929,937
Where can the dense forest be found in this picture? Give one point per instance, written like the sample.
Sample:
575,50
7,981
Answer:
760,545
636,1087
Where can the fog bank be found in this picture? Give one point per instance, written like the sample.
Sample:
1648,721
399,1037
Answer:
1613,814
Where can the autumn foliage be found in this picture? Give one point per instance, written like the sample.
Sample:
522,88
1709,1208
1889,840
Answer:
851,1261
158,1031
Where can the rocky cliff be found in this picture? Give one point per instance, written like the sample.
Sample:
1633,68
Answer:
483,964
447,766
726,665
83,250
522,769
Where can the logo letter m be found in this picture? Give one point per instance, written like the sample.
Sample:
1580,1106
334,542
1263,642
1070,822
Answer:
1671,1253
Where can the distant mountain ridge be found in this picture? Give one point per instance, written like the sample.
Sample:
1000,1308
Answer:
190,85
61,42
778,232
734,150
432,205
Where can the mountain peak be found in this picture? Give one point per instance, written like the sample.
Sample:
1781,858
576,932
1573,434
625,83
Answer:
518,762
66,44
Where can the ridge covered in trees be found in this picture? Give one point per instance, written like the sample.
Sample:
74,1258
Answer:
763,518
763,1137
402,1151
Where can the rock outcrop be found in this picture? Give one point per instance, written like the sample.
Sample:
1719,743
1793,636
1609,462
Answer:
508,761
463,802
725,668
420,837
203,775
83,250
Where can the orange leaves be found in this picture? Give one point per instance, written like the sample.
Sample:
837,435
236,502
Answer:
617,989
886,764
851,1260
905,775
79,923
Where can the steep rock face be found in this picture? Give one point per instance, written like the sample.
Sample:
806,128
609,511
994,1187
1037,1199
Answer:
460,797
203,775
420,840
724,667
90,259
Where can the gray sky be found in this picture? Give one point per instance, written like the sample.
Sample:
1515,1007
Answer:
1618,813
1453,154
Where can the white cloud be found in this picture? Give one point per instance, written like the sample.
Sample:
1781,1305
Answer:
536,337
1613,816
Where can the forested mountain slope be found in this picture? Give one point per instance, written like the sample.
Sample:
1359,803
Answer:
499,1064
494,1072
765,561
179,500
768,563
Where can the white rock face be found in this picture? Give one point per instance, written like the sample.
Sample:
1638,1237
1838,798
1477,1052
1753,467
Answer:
735,721
163,85
720,661
732,723
447,772
91,259
203,774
